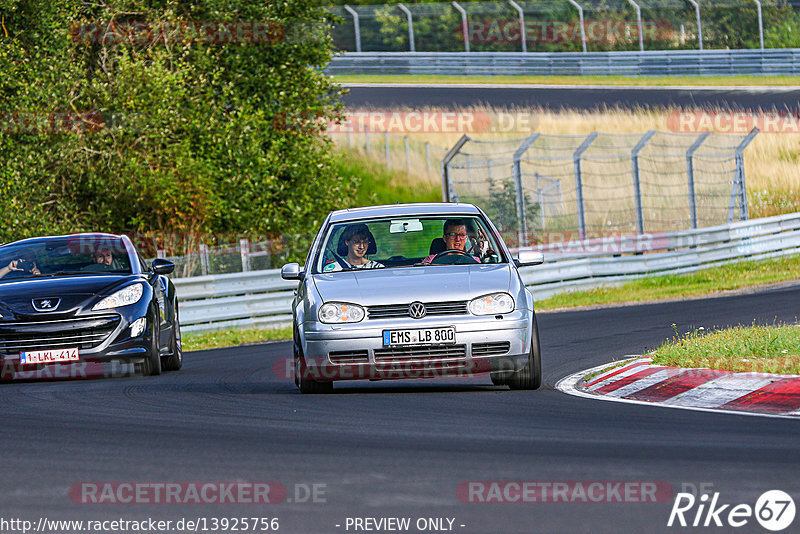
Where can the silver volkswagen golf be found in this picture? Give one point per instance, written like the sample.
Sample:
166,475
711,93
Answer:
412,291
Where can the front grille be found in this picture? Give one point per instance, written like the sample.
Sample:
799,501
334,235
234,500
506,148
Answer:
68,333
426,352
490,349
349,356
455,307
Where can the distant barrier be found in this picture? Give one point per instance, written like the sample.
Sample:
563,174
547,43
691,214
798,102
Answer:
262,299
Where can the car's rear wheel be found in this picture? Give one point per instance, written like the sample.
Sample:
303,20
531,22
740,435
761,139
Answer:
174,361
151,365
301,379
530,376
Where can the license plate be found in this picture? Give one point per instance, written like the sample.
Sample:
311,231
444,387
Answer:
424,336
48,356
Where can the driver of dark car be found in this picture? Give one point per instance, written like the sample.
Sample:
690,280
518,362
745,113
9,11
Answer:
103,256
455,238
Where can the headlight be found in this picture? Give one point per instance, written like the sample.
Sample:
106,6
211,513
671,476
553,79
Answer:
123,297
339,312
493,304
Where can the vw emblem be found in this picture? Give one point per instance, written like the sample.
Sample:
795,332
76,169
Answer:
45,305
417,310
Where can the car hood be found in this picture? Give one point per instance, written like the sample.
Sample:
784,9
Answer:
75,292
404,285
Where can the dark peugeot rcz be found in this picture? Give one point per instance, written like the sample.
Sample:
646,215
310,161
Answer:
85,298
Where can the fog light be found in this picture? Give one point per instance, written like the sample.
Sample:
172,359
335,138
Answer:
137,326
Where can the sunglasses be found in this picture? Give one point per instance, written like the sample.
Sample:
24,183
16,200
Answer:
453,234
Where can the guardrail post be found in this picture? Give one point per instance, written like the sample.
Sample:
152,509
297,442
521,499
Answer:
407,11
356,26
760,24
521,24
446,186
699,25
739,182
576,157
690,176
464,24
522,230
637,185
583,26
244,250
639,23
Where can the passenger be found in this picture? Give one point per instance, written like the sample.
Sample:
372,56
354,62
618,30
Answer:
351,253
25,264
455,238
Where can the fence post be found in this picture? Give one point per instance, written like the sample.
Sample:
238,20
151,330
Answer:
699,24
576,158
428,156
244,250
637,184
744,212
204,264
760,24
522,230
445,165
639,23
690,176
386,144
464,24
521,24
407,11
583,26
408,161
161,253
356,26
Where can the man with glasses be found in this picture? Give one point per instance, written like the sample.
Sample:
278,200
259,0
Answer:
455,238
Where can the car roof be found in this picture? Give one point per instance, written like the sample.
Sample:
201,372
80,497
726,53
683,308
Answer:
404,210
91,235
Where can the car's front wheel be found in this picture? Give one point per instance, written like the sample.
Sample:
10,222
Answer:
530,376
174,361
301,375
152,360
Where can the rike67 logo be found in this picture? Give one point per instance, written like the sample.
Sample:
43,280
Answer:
774,510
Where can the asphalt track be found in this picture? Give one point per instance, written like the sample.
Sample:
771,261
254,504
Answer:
392,96
386,449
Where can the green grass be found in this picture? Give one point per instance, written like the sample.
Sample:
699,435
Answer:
573,80
218,339
380,185
705,282
764,349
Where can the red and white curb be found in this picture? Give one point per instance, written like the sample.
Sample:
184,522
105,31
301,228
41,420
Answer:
639,381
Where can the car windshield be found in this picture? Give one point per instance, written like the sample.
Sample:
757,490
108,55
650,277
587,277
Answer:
63,256
406,242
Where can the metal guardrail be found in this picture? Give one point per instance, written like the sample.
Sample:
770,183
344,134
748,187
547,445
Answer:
263,299
783,62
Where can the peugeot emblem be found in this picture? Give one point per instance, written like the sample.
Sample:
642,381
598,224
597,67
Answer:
417,310
45,305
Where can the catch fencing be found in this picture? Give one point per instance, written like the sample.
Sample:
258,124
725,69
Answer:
263,299
554,187
565,26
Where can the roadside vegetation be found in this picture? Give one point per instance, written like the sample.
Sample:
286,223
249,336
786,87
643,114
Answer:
763,349
726,277
218,339
643,81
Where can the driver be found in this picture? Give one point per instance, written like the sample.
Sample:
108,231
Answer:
455,238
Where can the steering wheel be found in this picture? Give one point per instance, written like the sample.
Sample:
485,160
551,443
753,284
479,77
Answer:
458,259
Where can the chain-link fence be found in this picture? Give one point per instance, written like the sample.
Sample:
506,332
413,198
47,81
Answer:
567,25
548,188
244,256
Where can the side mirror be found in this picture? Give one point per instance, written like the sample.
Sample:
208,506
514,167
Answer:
529,257
162,266
292,271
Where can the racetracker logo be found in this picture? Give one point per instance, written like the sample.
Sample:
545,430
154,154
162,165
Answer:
433,121
560,31
774,510
144,32
177,493
733,122
570,491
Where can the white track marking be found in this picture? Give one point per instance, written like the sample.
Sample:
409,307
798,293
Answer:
719,391
644,383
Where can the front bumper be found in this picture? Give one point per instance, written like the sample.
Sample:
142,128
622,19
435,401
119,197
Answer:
483,344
